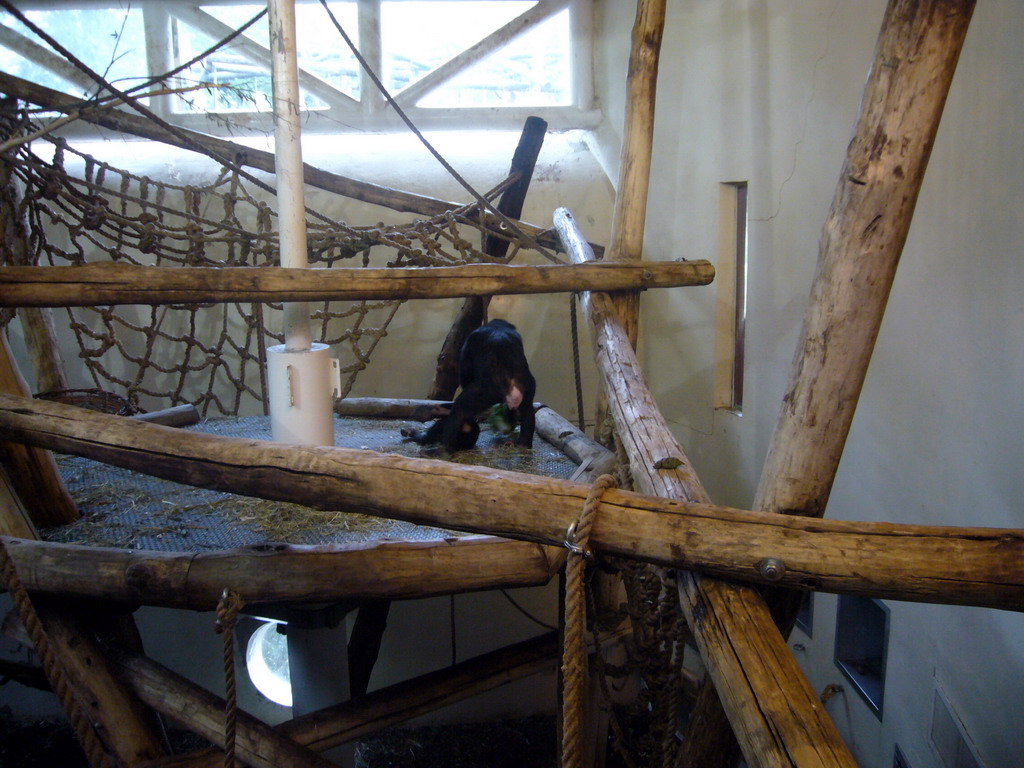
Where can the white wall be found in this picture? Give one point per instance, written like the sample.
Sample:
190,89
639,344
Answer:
768,92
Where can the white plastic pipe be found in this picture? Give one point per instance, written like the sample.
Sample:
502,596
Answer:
301,386
288,165
301,376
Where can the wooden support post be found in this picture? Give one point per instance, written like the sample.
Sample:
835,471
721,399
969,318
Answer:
473,312
863,237
637,147
32,472
772,708
630,211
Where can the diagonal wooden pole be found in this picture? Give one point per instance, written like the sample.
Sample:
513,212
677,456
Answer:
771,706
861,243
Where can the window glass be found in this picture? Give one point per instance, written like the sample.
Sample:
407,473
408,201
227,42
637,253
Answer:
418,37
533,70
111,42
243,84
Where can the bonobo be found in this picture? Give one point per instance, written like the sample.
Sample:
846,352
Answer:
492,369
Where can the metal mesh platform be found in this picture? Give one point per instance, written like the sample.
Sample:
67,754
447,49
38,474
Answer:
122,508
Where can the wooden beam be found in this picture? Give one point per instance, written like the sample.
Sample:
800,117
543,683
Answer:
915,58
774,712
473,312
109,283
974,566
285,573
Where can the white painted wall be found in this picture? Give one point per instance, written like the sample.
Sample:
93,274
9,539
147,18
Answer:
767,92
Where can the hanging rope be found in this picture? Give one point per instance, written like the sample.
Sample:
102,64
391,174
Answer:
574,654
90,742
227,613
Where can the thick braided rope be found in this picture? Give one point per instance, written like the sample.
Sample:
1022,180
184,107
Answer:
90,742
227,613
573,653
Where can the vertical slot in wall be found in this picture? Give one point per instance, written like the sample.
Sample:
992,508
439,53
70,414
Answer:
731,311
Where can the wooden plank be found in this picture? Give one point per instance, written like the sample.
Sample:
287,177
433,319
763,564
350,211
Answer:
109,283
915,58
975,566
771,706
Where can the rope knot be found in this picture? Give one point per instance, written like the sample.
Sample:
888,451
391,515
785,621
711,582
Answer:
577,536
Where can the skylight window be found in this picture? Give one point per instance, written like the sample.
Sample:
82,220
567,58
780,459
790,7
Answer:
450,64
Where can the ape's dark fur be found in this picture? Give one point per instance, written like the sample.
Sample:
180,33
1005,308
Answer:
492,369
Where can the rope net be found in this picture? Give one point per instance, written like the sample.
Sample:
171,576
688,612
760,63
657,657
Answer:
77,209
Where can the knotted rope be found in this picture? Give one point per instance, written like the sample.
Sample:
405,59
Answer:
573,653
227,613
90,742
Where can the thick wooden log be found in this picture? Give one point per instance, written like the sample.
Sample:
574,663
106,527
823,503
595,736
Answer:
126,122
630,211
771,706
567,438
860,248
277,573
127,728
31,472
975,566
862,240
397,703
473,312
115,283
256,743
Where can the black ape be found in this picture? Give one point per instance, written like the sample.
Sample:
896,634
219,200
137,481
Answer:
492,369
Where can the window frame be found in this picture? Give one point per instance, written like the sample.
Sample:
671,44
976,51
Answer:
369,112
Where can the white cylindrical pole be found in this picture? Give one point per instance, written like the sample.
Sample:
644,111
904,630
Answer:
291,209
301,376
